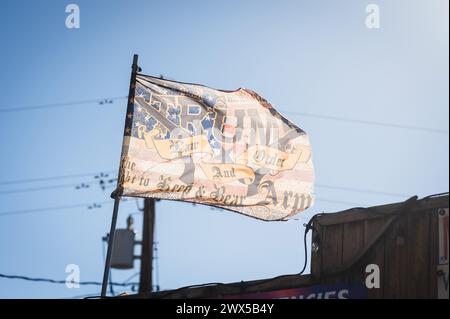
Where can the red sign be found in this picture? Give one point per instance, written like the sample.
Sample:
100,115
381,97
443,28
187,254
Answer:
339,291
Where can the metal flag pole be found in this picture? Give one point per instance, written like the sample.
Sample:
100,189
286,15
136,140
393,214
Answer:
116,194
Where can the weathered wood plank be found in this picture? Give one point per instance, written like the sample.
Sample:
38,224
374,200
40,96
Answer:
396,258
418,254
353,243
332,250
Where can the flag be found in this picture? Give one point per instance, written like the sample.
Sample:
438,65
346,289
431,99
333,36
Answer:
228,149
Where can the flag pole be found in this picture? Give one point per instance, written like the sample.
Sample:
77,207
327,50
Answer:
116,194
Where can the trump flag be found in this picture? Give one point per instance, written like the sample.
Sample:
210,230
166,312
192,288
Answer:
228,149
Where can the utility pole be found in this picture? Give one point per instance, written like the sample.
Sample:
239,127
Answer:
145,279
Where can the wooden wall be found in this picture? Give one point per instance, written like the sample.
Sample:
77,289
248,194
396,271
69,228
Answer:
406,250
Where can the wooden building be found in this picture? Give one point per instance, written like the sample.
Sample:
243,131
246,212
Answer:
401,240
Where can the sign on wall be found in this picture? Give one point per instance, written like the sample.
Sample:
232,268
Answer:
338,291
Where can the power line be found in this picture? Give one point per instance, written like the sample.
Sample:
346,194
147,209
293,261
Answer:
335,201
36,210
100,101
51,178
367,122
25,190
102,183
110,100
96,205
105,174
357,190
53,281
91,205
86,185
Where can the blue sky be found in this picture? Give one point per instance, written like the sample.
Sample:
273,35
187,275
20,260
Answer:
303,56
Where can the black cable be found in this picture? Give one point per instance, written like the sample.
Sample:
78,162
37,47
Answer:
305,249
307,226
53,281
